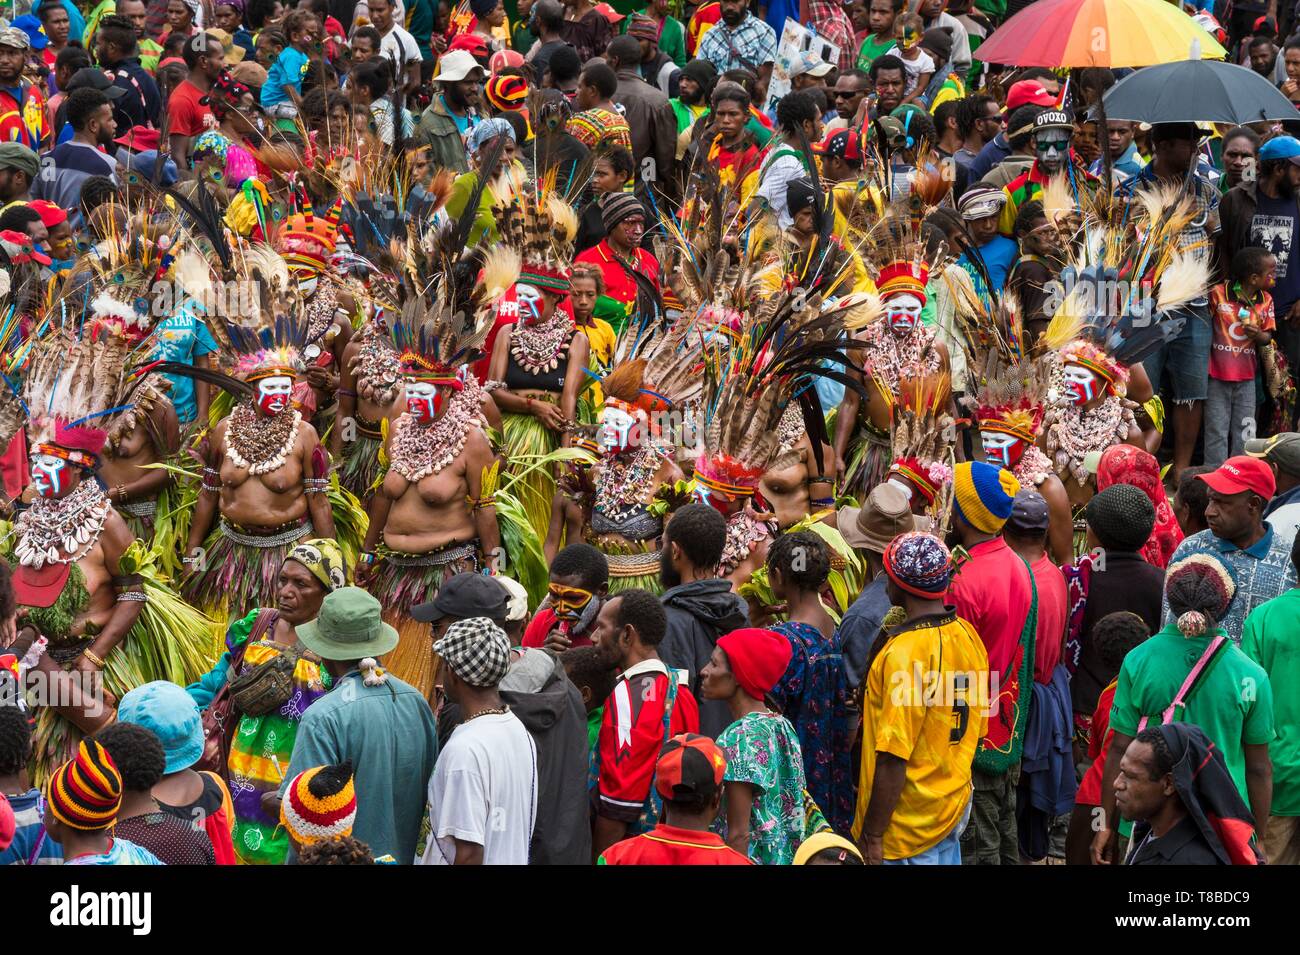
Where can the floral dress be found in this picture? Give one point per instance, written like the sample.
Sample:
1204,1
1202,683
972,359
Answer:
763,750
813,695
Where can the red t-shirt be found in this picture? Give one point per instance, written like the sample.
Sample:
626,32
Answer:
1099,738
543,622
1053,608
188,116
619,285
632,734
669,845
1232,356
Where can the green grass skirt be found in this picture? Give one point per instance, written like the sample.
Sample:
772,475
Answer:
525,439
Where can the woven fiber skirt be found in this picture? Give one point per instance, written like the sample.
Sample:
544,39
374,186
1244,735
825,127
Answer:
240,571
359,469
634,572
525,439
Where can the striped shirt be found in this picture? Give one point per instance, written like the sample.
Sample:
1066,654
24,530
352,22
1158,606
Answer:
32,844
1027,187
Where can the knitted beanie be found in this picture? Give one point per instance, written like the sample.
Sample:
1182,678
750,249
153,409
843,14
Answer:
86,792
919,563
320,803
983,495
757,658
506,92
617,206
1121,517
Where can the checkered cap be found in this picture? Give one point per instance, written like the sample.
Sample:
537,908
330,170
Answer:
477,650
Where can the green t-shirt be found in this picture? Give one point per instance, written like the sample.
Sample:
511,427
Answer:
1232,704
872,47
1269,638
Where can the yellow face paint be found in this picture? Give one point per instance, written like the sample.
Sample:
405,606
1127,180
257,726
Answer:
568,601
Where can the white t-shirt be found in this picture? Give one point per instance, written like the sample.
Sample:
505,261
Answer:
484,790
1285,521
924,63
400,47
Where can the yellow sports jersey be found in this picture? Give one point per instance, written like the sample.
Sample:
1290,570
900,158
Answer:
926,702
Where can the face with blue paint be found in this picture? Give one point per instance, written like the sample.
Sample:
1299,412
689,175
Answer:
50,475
1004,450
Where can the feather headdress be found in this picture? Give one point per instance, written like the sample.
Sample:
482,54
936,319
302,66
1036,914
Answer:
539,225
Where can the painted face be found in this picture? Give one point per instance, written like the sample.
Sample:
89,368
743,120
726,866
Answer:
49,474
1052,148
530,303
617,429
1004,450
908,37
273,393
902,484
1081,384
424,400
307,282
568,602
902,312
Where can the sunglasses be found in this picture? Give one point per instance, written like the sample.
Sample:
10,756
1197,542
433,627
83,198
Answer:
849,94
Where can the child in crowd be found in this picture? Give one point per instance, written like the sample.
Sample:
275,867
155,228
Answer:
918,64
1242,310
283,90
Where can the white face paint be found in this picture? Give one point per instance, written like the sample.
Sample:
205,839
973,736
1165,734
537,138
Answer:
530,303
49,473
307,282
903,485
902,312
1004,450
273,393
1080,384
422,400
616,429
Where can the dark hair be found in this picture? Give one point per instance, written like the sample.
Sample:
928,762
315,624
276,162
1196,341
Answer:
174,45
701,533
948,109
969,110
918,125
602,77
1020,125
1194,494
586,667
370,33
620,160
803,559
96,191
1037,73
117,30
339,850
1242,132
583,561
375,76
886,62
17,218
626,49
1115,634
1248,261
1259,40
278,37
256,13
548,15
15,739
48,8
794,110
76,57
642,609
729,92
746,78
862,76
835,856
1163,762
198,46
1292,43
517,122
82,104
294,22
1095,78
137,753
565,64
1026,216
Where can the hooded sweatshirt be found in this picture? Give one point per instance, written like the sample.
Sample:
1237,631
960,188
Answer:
540,694
699,613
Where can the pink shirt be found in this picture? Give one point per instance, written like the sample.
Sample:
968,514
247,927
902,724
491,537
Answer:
991,591
1053,608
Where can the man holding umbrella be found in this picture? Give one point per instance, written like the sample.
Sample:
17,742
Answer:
1182,364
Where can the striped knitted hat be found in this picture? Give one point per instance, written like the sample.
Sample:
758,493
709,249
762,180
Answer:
320,803
617,206
983,495
506,92
86,792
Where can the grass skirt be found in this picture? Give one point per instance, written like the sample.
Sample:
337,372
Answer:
170,641
139,516
235,578
359,469
868,463
526,439
399,588
633,570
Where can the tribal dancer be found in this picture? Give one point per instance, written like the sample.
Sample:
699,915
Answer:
538,364
265,475
370,398
434,513
795,486
94,615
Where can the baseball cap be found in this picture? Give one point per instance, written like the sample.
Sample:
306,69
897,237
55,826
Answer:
464,596
1281,147
15,37
1242,473
842,143
805,62
51,213
473,43
1054,119
1281,449
96,79
1028,512
504,60
456,65
1029,92
31,25
608,12
35,587
689,766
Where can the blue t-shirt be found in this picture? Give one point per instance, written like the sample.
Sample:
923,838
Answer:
288,70
999,254
182,338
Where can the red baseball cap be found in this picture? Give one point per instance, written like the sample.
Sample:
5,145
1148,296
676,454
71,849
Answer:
504,59
608,12
473,43
1028,91
689,765
1242,473
51,214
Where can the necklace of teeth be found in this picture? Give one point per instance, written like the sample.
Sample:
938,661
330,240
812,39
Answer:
60,531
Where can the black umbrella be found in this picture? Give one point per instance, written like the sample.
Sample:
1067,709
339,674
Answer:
1197,91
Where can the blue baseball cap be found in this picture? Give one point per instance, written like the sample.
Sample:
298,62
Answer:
1281,147
31,25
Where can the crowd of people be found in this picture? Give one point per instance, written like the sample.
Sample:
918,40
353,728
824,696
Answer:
544,432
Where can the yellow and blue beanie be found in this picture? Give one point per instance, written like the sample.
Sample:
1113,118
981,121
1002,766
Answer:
983,495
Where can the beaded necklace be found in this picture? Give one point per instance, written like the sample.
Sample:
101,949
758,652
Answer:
1071,433
539,348
60,530
419,450
623,481
890,357
261,444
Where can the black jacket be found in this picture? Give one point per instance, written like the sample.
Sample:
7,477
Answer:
699,613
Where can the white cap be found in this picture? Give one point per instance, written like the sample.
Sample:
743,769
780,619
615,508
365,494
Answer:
456,65
807,63
516,599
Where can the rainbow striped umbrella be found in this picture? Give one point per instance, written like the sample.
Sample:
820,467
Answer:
1110,33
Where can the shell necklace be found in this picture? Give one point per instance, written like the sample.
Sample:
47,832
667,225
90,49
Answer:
419,450
258,444
539,348
58,531
624,479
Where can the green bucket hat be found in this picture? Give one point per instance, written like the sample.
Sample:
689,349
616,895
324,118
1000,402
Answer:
348,627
